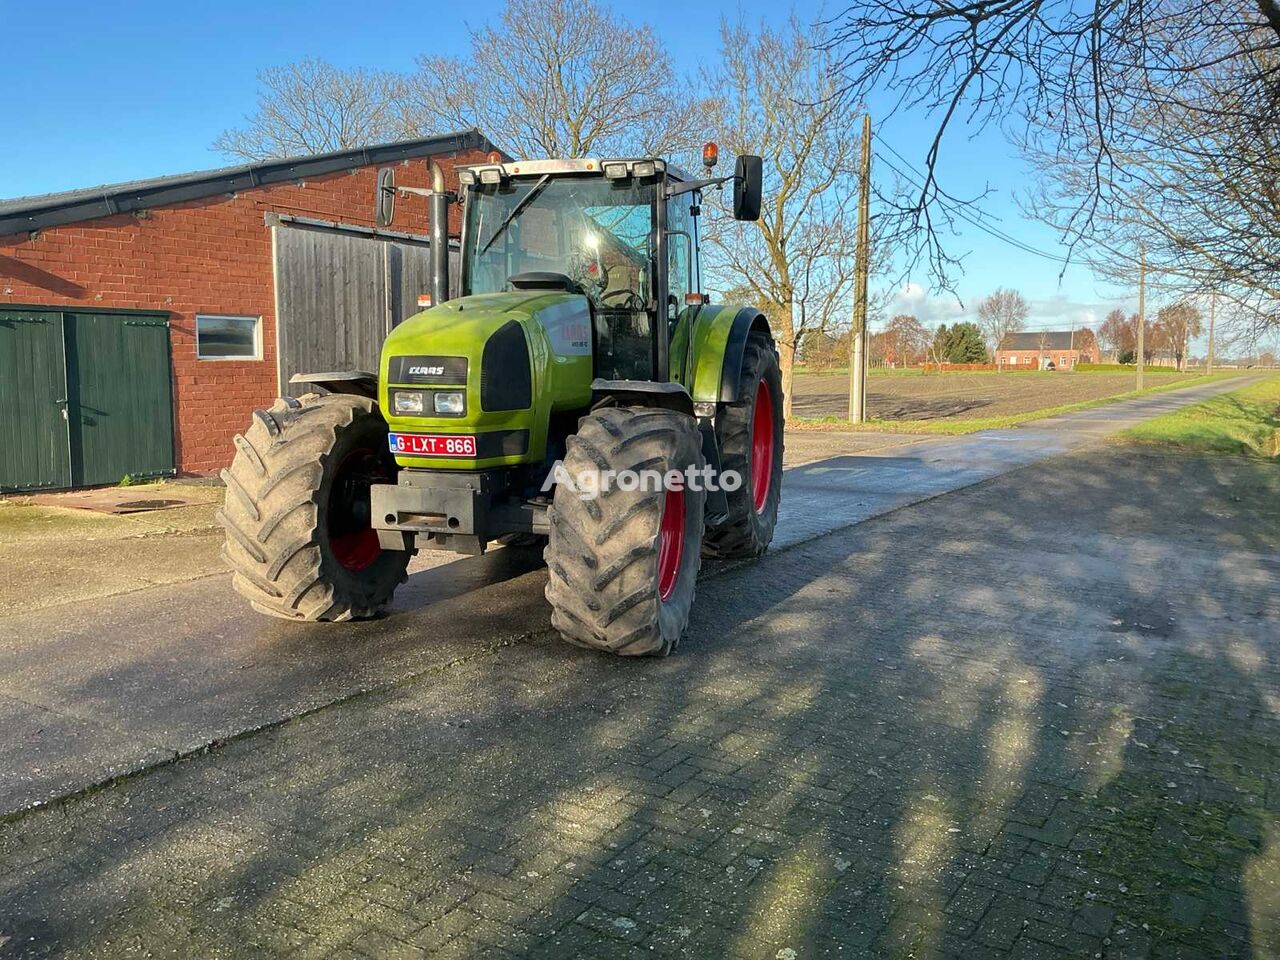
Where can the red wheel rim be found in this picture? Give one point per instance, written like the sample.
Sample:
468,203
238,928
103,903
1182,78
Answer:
352,539
670,543
356,551
762,446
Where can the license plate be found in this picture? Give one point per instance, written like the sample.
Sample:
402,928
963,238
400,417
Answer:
432,445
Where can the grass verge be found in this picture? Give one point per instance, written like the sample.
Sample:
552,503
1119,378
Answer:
957,427
1244,423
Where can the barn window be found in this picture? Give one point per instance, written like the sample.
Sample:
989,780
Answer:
228,338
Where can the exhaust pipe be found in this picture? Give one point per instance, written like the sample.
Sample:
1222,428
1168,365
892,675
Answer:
438,211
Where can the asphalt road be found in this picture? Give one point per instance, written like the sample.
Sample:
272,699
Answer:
91,692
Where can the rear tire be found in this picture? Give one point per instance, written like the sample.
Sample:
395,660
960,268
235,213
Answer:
623,565
296,513
744,429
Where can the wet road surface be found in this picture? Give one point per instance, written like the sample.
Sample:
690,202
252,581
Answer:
89,692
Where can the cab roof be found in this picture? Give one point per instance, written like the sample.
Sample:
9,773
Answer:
611,167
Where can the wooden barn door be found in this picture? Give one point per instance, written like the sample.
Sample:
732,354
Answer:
338,294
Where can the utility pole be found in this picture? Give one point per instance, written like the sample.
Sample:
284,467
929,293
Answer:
1142,306
1213,308
861,270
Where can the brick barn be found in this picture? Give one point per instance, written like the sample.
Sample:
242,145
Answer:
142,322
1044,350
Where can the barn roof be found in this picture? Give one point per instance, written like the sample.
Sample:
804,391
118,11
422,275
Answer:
1039,340
71,206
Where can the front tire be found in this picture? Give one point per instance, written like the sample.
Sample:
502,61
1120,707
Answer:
623,564
299,538
749,432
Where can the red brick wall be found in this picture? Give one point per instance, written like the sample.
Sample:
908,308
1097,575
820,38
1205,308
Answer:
205,256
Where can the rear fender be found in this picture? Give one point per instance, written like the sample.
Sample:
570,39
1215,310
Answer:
714,365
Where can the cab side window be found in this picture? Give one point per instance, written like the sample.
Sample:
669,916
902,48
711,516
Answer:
682,271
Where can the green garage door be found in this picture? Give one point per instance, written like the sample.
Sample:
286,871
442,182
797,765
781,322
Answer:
34,450
85,398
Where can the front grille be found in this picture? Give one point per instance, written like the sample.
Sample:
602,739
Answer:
419,369
506,382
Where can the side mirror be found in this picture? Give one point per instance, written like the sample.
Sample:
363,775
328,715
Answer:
385,202
748,174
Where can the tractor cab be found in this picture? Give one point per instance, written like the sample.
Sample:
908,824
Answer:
621,233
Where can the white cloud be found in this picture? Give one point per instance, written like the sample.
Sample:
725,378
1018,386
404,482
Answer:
1056,312
929,309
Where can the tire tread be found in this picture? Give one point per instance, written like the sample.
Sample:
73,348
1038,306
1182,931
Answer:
602,553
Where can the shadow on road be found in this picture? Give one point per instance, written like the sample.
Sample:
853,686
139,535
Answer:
1036,715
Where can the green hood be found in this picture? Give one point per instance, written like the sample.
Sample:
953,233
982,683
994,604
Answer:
489,346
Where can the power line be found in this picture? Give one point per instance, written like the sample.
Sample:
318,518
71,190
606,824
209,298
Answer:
963,214
918,177
966,212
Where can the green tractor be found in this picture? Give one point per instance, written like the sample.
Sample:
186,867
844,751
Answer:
579,361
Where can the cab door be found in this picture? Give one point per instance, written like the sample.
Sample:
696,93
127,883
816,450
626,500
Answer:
683,279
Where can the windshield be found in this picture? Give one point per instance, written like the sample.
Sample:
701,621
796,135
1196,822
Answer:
593,230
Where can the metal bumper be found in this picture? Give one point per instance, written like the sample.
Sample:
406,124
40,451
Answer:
438,505
449,510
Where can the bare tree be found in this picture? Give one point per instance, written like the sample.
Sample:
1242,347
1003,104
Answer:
1085,342
314,107
906,339
1000,315
559,78
1115,335
827,349
1154,119
1176,325
775,96
1043,349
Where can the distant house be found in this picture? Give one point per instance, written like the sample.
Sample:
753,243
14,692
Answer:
1046,350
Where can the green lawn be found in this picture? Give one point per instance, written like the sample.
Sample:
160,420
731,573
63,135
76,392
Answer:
1245,423
952,427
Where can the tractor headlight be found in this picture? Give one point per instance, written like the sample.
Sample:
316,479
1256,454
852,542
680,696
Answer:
448,402
407,401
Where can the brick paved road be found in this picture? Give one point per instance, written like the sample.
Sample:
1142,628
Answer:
1033,718
91,691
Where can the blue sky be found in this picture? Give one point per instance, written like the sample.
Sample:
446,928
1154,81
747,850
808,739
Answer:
107,92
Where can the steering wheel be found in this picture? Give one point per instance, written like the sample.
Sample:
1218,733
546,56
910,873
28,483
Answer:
629,299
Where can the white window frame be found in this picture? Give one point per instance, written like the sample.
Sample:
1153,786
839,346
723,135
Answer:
257,336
